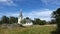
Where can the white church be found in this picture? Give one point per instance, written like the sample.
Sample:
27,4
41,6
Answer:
20,18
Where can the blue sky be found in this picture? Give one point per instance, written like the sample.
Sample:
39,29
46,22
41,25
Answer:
31,8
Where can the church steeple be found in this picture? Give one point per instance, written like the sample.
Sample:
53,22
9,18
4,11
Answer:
20,13
20,17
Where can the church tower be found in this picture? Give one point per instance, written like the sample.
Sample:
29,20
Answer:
20,17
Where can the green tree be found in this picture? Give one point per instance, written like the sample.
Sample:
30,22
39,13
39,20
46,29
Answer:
39,22
43,22
56,15
53,21
23,21
33,22
0,22
5,19
13,20
27,18
16,19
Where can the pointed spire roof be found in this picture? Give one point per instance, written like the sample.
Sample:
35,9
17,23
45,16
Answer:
20,13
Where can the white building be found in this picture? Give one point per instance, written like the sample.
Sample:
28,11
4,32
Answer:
28,21
20,17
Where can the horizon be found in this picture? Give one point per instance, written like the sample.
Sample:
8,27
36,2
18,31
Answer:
30,8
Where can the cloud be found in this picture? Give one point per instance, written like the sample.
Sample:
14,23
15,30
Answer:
8,2
22,0
3,0
47,2
44,14
10,14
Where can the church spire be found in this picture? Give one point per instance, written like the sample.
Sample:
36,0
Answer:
20,13
20,17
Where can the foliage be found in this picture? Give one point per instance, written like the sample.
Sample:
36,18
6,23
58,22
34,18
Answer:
13,20
23,21
43,22
33,22
5,19
53,21
56,15
27,18
0,22
38,21
8,20
16,20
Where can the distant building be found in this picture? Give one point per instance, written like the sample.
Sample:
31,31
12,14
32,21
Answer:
20,18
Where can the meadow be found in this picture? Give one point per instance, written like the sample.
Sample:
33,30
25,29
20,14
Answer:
35,29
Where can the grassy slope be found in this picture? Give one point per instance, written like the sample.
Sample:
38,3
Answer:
28,30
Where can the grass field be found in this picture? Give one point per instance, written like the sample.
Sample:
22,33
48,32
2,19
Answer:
36,29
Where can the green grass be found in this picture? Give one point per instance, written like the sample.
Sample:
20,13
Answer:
36,29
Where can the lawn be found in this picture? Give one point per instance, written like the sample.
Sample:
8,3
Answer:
35,29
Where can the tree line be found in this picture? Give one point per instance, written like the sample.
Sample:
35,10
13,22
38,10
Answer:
8,20
11,20
36,21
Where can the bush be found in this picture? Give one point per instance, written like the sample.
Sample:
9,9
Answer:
37,21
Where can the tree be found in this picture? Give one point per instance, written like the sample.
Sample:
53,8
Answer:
5,19
27,18
23,21
33,22
43,22
8,20
0,22
16,19
39,22
56,15
53,21
13,20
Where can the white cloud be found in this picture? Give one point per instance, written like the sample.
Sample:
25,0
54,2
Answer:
3,0
42,14
9,14
8,2
47,2
22,0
